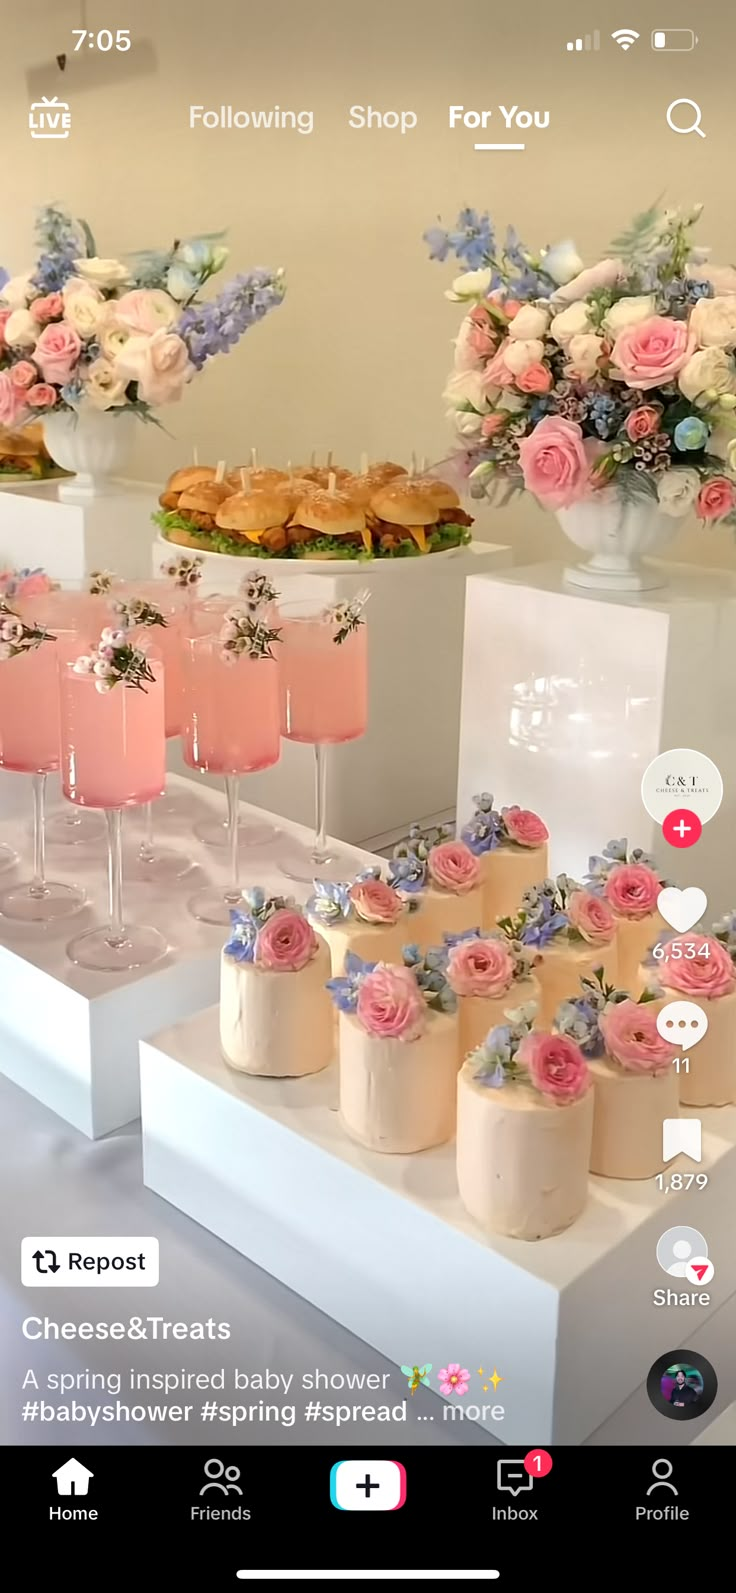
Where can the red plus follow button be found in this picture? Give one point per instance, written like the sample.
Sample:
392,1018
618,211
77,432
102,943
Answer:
682,828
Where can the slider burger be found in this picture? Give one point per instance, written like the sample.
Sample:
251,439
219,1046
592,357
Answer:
181,481
193,521
258,518
23,453
247,478
427,511
328,525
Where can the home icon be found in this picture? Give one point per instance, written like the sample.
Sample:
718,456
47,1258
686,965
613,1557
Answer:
72,1477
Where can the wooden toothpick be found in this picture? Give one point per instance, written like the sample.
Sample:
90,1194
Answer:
220,472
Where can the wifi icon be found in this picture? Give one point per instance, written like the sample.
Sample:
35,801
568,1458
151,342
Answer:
625,37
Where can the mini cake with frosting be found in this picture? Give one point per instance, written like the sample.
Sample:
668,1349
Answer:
446,878
524,1128
704,973
275,1014
368,917
572,930
488,973
511,846
398,1052
635,1086
630,881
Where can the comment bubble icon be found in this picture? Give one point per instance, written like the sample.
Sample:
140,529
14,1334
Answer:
682,1023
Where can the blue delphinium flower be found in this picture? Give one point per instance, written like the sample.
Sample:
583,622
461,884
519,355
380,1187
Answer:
344,988
439,242
407,874
484,832
72,392
465,934
691,434
579,1020
472,241
330,902
605,414
599,867
243,936
430,971
495,1060
215,327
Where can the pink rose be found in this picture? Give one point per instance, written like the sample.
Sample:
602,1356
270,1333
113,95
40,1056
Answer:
524,827
511,308
633,1040
50,307
146,310
57,352
481,340
480,968
556,1065
554,462
159,364
710,975
391,1005
286,943
632,890
537,378
652,352
592,917
42,396
642,422
12,402
23,375
453,868
4,318
497,373
715,499
492,424
376,902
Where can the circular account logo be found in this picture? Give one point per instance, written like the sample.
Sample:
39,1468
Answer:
682,781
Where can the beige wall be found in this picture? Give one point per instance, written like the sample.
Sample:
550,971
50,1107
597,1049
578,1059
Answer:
357,356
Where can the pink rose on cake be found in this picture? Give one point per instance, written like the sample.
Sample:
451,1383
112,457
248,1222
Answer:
286,943
591,917
524,827
631,889
556,1066
453,868
632,1039
375,902
711,973
390,1004
478,967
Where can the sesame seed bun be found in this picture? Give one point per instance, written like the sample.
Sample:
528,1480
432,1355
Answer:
189,476
442,495
330,514
385,470
204,497
255,479
406,503
254,511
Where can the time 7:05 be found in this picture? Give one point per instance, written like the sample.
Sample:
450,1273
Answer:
104,39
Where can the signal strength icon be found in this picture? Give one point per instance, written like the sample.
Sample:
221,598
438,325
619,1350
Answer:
625,37
589,42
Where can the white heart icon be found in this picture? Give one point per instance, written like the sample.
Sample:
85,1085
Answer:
682,909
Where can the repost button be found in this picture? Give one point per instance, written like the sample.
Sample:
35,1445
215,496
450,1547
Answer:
88,1263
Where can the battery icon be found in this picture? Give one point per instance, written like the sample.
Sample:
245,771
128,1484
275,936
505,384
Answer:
674,39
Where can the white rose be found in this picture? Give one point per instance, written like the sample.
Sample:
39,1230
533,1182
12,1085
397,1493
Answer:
713,322
467,423
710,370
21,331
520,355
562,262
722,445
677,491
471,285
571,323
84,312
466,358
102,273
629,312
18,292
104,386
159,364
584,352
530,322
74,285
511,402
465,387
111,336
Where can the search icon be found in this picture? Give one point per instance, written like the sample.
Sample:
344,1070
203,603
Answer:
692,126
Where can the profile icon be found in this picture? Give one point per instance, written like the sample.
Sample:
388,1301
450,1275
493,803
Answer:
216,1470
678,1247
682,1385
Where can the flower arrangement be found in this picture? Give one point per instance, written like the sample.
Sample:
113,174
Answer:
629,880
117,335
513,826
184,570
431,858
16,584
486,963
114,662
272,933
569,379
560,907
369,900
393,1001
17,637
514,1052
605,1021
244,634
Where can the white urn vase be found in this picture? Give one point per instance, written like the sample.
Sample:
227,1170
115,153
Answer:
95,444
617,532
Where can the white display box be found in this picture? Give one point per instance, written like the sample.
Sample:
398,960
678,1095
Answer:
70,1037
405,767
569,694
42,523
383,1245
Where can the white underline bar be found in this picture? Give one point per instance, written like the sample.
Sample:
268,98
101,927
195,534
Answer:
499,146
365,1576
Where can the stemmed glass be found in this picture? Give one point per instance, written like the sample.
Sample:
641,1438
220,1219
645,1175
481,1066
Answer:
231,722
324,702
113,754
29,744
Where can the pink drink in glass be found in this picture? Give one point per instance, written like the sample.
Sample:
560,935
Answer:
231,709
165,640
324,684
112,743
29,707
67,609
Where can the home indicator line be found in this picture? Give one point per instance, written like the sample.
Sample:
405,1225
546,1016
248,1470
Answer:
499,146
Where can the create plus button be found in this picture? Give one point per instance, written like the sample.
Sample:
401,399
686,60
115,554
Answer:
682,828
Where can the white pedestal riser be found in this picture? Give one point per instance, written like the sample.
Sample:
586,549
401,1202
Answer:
110,531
